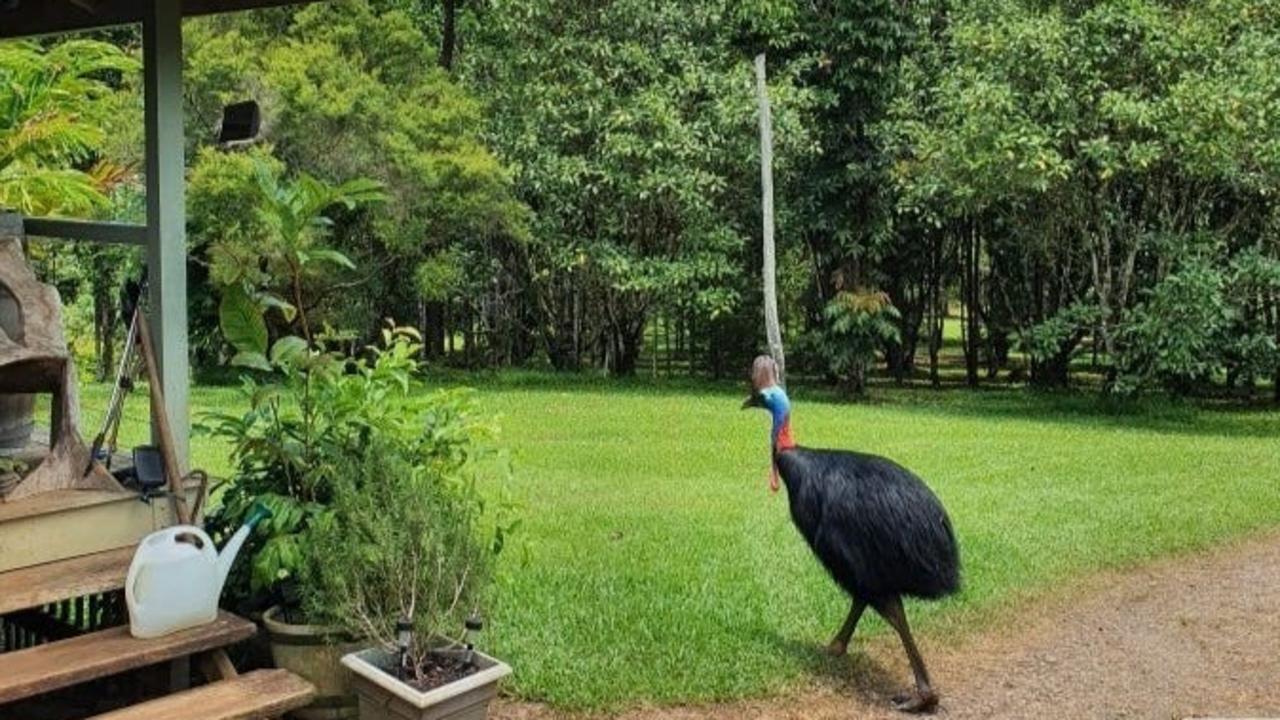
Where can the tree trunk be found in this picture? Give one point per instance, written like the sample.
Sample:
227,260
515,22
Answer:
937,310
433,330
104,326
449,34
1275,318
773,330
972,332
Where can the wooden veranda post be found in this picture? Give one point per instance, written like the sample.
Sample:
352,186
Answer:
166,209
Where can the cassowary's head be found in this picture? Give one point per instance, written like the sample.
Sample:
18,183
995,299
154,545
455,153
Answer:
774,399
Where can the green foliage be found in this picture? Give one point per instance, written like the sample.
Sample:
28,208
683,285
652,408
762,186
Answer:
1050,340
583,175
281,252
54,104
350,89
630,128
309,424
403,537
858,325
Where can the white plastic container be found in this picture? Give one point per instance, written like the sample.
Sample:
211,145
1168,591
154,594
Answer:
176,578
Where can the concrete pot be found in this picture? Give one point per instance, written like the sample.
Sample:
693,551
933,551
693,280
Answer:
314,653
383,697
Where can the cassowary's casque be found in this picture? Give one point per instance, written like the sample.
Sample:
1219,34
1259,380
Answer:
877,528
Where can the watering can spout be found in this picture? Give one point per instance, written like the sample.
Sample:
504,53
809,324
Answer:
257,513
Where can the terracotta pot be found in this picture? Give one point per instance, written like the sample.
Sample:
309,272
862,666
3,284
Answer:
314,653
383,697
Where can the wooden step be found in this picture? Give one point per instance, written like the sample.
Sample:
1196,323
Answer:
24,673
252,696
48,583
62,524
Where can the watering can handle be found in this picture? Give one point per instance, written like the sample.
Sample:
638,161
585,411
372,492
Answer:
171,534
167,535
131,581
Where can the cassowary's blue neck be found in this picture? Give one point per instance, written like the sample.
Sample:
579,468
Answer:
779,406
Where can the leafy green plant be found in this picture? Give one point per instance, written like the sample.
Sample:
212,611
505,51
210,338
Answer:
1176,336
272,261
52,114
858,324
306,424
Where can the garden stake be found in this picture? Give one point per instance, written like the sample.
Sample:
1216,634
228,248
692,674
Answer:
404,637
161,418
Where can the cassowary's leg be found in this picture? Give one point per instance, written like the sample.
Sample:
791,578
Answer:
840,643
923,699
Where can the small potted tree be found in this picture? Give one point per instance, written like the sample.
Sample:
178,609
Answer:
403,559
310,409
304,432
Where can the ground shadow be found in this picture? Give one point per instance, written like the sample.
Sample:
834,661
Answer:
856,674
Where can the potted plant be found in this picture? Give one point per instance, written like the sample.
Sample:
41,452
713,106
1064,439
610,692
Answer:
308,421
403,559
309,410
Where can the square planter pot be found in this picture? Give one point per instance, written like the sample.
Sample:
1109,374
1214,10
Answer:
383,697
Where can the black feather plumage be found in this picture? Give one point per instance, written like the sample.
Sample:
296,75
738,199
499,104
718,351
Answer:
876,527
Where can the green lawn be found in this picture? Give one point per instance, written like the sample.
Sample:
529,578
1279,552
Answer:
660,569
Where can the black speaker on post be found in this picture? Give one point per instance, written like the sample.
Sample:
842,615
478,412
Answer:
241,123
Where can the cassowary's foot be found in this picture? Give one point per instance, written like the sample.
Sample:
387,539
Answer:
835,648
916,701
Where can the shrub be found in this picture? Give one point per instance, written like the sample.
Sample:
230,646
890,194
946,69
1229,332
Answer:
404,539
857,325
308,430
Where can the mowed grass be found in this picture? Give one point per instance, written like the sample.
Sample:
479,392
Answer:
658,568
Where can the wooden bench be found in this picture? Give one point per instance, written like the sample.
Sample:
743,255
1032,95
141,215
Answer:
252,696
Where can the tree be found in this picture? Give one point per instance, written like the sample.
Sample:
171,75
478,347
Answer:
630,126
353,89
53,106
859,323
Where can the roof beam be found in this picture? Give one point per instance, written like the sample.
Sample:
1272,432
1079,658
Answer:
47,17
103,232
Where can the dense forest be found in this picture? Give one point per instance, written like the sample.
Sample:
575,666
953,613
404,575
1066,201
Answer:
1087,190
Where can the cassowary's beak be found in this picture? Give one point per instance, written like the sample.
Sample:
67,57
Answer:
751,402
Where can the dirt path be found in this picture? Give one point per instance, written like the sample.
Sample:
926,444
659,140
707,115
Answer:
1193,637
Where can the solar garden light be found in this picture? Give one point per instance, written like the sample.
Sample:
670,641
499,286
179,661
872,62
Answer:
474,624
404,638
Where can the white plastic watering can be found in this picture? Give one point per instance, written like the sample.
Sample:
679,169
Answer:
176,577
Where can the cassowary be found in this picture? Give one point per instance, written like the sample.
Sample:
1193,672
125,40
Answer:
877,528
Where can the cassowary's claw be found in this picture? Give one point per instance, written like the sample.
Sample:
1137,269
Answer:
836,649
916,701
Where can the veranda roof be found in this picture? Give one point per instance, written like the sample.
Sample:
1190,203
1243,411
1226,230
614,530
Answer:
19,18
